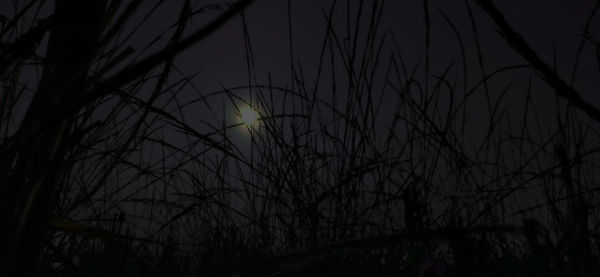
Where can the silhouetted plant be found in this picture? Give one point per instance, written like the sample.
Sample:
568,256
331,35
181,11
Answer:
103,172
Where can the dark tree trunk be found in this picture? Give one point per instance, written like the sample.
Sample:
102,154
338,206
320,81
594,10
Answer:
31,163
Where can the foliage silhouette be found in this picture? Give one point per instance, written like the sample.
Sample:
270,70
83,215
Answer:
103,172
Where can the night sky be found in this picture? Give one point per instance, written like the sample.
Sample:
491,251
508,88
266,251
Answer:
221,62
546,25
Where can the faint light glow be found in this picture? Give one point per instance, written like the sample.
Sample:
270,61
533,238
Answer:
248,115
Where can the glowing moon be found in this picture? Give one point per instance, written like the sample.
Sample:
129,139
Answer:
248,115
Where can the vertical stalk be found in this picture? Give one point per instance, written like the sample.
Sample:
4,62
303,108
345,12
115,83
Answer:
33,162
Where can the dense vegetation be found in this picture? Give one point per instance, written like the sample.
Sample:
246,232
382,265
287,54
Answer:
368,162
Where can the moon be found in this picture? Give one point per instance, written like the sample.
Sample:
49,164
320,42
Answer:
248,115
